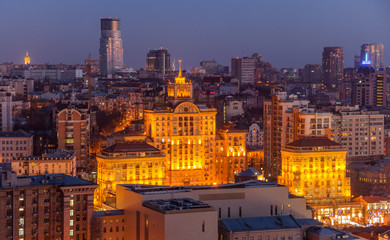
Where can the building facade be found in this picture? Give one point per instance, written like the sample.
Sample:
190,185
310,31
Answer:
58,162
374,53
243,69
332,66
108,225
369,89
15,144
158,60
360,132
73,133
6,123
285,119
238,200
315,167
54,206
312,73
111,50
127,163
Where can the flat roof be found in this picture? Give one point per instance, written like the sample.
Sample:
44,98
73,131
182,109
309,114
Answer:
260,223
116,212
177,205
18,133
59,180
153,189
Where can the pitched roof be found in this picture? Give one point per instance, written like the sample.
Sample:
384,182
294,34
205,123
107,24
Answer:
130,147
250,172
375,199
313,142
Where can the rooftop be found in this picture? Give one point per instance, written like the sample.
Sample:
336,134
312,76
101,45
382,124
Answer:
131,147
376,199
260,223
58,179
313,142
18,133
330,231
153,189
56,155
175,205
116,212
250,172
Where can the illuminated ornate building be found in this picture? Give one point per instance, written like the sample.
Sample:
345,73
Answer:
186,133
315,167
27,59
180,90
230,157
128,163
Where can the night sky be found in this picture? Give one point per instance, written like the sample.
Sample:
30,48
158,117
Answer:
288,33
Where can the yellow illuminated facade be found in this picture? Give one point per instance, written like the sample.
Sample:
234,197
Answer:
127,163
230,156
26,59
186,134
315,167
196,154
180,90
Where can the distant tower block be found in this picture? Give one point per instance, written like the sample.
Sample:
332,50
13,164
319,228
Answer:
27,59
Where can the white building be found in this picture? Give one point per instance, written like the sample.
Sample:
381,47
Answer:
238,200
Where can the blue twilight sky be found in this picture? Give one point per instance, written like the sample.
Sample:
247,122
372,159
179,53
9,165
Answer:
289,33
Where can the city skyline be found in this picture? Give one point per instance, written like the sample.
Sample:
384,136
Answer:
194,32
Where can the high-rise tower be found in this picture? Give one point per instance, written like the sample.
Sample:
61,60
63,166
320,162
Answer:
158,60
332,66
374,53
111,50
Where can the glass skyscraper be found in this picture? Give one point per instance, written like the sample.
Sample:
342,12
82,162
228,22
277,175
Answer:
374,52
111,50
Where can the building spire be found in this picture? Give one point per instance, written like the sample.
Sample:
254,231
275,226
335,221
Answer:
179,68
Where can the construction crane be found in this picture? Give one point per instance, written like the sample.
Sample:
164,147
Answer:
88,63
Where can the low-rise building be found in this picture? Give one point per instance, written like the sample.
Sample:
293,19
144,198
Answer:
108,225
375,208
127,163
15,144
58,162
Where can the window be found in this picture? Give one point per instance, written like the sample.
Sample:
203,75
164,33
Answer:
240,212
203,226
298,237
272,212
219,212
228,212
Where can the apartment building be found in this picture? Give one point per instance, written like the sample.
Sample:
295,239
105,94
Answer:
44,207
57,162
15,144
